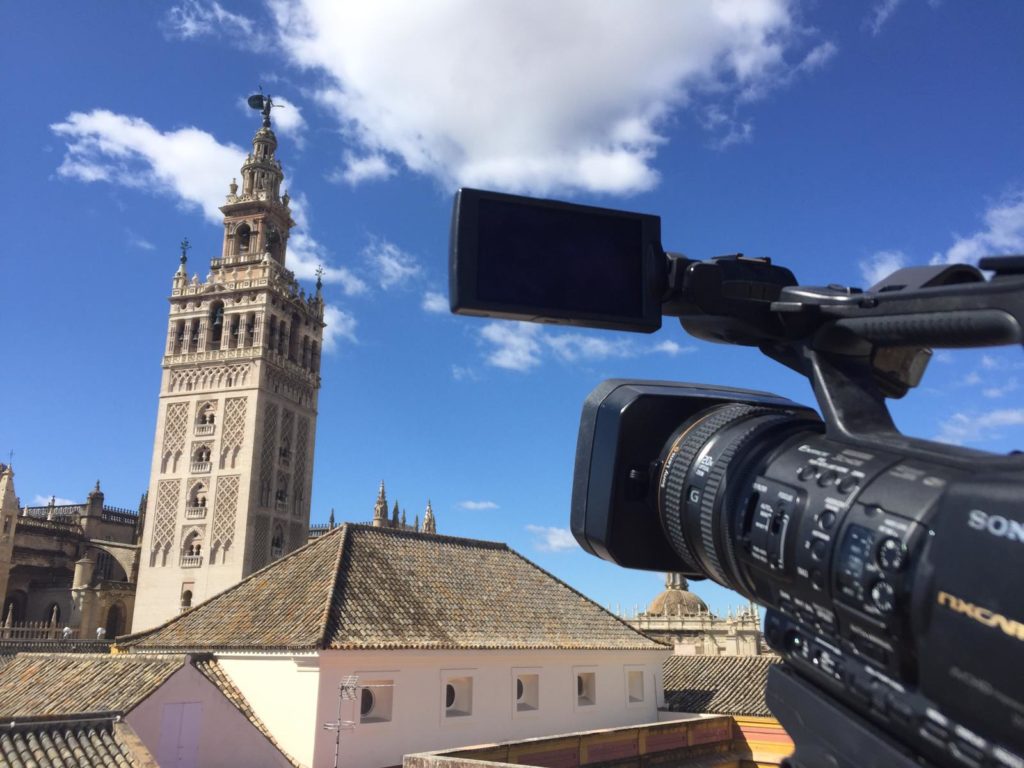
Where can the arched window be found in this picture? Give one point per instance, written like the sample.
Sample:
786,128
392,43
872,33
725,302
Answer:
277,543
197,496
216,324
243,235
272,336
116,620
282,338
186,600
293,342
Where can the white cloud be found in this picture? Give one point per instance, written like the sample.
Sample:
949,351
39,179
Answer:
995,392
478,505
520,346
392,265
192,19
572,347
670,348
972,379
1003,234
511,95
976,428
188,165
879,266
880,14
366,168
44,501
339,325
515,345
549,539
135,241
435,302
464,373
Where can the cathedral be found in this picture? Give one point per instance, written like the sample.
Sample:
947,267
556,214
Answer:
232,465
681,619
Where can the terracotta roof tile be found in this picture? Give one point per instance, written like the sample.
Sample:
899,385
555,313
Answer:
35,685
215,673
62,744
364,587
720,685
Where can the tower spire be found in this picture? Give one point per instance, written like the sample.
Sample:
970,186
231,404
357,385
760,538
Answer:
380,509
429,524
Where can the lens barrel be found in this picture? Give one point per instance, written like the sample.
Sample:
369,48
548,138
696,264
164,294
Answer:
704,482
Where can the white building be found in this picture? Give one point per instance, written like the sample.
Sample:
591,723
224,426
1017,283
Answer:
232,465
453,641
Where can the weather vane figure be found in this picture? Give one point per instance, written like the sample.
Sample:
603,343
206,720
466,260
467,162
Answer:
264,104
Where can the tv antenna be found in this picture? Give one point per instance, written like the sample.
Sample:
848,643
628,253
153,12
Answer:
348,690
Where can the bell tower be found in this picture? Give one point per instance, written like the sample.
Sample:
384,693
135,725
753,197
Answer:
231,475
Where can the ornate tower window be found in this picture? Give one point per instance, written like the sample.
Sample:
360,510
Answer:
243,236
216,324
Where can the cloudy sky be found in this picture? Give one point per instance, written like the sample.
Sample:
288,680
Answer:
842,140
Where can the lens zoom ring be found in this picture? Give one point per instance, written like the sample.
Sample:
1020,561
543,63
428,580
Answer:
715,479
673,496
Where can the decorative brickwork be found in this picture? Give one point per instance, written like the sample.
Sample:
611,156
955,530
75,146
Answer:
301,459
267,452
234,431
175,426
168,493
210,377
225,511
296,535
260,542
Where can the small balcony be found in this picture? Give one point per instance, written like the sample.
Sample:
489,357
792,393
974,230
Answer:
204,429
276,552
191,561
201,467
195,513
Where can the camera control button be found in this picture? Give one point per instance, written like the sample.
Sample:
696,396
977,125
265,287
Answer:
818,549
817,579
827,477
892,554
826,519
883,595
847,484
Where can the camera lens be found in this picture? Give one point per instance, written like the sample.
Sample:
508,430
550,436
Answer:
704,489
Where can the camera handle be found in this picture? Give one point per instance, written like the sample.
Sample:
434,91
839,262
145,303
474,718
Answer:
826,734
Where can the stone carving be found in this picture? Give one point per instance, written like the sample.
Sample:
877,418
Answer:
234,431
301,458
175,426
225,510
267,454
167,495
260,541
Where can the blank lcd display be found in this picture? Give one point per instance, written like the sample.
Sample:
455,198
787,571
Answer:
551,258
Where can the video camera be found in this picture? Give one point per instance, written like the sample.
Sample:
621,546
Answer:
890,566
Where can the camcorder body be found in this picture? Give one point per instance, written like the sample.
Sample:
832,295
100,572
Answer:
889,566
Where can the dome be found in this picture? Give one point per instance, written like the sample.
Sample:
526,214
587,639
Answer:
676,599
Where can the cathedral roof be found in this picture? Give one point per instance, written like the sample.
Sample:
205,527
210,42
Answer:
676,600
719,685
359,587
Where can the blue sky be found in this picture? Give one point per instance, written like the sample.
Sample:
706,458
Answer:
841,139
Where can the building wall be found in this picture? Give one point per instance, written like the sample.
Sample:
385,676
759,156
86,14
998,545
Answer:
280,692
283,691
420,721
220,733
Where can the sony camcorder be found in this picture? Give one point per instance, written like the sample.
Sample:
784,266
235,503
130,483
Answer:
890,566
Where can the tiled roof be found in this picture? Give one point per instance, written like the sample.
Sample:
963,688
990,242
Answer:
36,685
364,587
64,744
720,685
213,672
